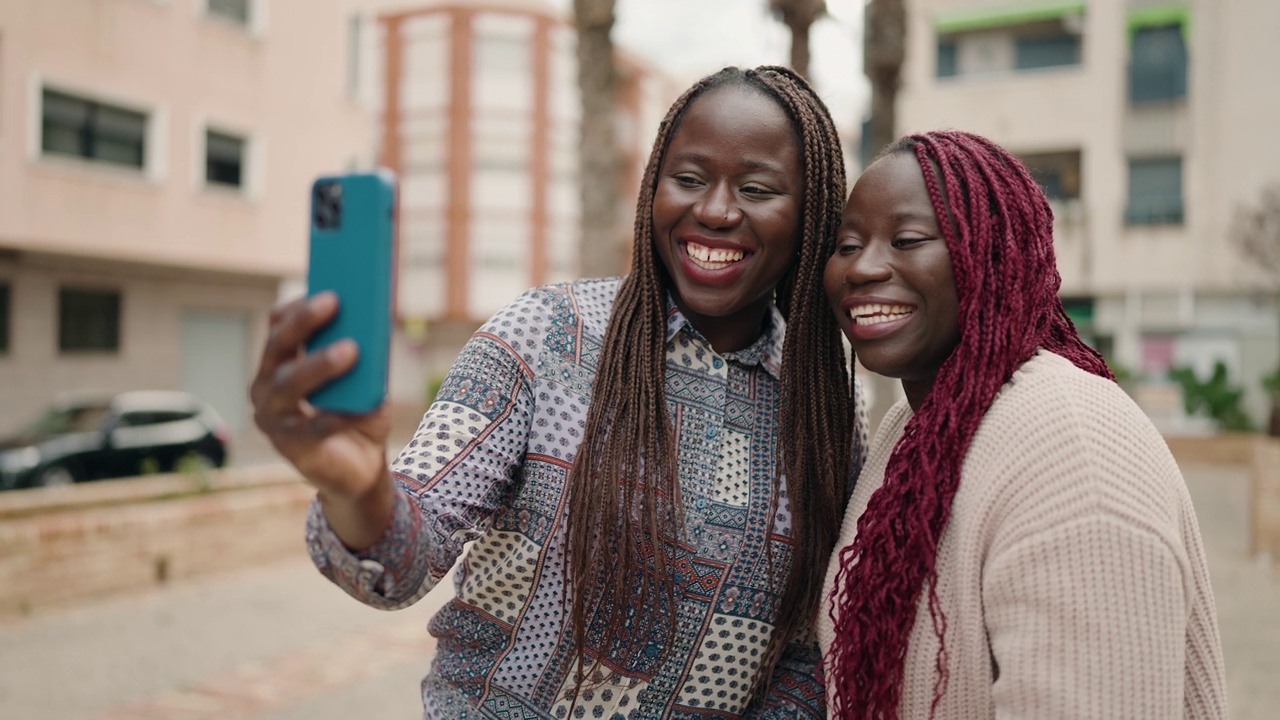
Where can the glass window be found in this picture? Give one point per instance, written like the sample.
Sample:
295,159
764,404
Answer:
92,130
1155,191
4,318
88,320
1043,51
73,419
224,159
1158,66
235,10
947,57
1057,172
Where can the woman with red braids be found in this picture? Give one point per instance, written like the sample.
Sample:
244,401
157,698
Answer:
1020,542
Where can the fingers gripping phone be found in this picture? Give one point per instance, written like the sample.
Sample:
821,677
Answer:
352,245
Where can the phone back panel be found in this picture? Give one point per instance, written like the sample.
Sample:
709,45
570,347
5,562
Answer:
352,247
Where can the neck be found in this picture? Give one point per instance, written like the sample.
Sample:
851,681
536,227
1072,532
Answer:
726,339
728,336
917,391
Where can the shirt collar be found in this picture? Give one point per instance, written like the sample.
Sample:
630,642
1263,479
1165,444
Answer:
765,351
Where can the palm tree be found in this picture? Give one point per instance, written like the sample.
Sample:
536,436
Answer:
600,252
884,48
799,16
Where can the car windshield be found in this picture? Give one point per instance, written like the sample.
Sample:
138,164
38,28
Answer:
71,419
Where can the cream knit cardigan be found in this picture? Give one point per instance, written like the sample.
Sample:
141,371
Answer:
1071,572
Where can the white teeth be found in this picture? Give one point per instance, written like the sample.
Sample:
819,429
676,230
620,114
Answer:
712,258
875,313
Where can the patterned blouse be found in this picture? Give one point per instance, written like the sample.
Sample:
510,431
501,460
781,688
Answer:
488,465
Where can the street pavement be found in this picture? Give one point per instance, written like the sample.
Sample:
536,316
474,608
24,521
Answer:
281,643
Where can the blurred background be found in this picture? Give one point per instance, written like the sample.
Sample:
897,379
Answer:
155,164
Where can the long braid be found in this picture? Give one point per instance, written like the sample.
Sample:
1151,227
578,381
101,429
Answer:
998,228
624,495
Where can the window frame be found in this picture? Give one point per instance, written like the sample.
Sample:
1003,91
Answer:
156,161
1022,45
6,316
255,24
242,182
1155,214
114,326
1175,79
90,135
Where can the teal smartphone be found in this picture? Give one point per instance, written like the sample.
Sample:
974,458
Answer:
352,252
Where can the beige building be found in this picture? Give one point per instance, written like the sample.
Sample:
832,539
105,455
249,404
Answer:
1149,123
155,162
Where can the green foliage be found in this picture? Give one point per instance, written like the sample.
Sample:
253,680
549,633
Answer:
1215,398
433,388
1124,374
1271,383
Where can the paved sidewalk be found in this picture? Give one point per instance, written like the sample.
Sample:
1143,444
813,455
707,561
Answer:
281,643
268,643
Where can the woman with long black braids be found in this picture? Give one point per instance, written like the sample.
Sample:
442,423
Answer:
652,468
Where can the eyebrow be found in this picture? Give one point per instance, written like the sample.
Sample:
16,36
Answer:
754,165
909,215
900,216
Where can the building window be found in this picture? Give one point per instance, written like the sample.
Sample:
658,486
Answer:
224,159
1004,38
1046,51
1158,66
4,318
236,11
88,320
947,66
92,130
1057,172
1155,191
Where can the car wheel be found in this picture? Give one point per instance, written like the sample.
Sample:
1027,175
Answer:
195,462
55,476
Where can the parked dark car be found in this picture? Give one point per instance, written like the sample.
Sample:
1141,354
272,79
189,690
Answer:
132,433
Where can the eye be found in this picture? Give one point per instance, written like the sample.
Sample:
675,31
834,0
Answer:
687,180
756,189
907,241
848,246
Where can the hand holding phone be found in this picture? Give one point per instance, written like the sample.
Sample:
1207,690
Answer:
351,255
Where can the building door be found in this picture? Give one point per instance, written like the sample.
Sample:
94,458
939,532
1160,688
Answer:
215,357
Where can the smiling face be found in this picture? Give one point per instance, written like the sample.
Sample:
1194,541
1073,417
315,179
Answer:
727,211
890,280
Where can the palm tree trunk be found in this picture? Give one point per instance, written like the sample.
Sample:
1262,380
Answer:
799,16
600,252
884,49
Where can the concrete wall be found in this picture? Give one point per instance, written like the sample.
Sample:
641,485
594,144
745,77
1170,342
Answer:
61,546
1265,501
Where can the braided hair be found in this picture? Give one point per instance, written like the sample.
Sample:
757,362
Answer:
624,498
998,228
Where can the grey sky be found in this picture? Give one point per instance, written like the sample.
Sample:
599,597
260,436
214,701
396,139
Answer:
689,38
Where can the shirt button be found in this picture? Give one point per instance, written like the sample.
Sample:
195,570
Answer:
701,504
717,363
711,433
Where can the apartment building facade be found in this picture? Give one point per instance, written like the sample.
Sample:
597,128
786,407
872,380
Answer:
155,163
479,112
1148,123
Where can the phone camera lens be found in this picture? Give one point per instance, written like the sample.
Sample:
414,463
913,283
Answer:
326,204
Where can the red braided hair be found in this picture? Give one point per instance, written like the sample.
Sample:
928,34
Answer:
998,227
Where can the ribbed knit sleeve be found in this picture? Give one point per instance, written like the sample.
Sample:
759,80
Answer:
1088,619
